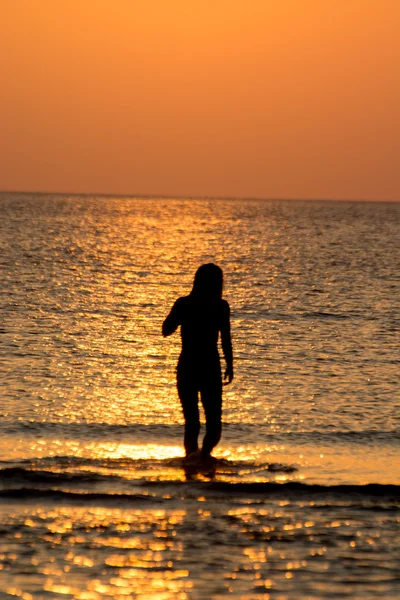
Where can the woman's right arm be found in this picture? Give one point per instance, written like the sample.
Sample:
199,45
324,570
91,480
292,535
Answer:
172,322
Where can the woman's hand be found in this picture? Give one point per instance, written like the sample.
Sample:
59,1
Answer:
228,375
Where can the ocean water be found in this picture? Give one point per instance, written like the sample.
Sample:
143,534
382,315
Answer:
95,499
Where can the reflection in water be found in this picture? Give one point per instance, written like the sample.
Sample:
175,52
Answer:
199,471
326,464
86,299
96,500
208,547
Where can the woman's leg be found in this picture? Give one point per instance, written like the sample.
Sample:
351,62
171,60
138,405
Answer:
211,399
188,396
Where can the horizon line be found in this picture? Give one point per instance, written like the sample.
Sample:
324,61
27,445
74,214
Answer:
195,197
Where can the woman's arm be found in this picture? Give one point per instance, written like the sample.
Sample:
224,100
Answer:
227,342
172,322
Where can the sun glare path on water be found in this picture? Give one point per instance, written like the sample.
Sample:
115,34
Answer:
96,500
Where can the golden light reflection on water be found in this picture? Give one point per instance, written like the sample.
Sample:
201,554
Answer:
96,450
95,379
111,262
251,461
97,552
134,451
138,567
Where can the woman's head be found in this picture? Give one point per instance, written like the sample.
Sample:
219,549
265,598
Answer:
208,282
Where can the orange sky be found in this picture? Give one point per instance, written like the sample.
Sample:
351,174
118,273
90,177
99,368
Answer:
254,98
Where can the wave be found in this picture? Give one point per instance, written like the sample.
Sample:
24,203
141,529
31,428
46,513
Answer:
33,463
326,315
71,430
71,469
369,489
292,490
82,479
66,495
21,475
164,431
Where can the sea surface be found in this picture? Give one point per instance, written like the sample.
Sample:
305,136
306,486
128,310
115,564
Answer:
96,500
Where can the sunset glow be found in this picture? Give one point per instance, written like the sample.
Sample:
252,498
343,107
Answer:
296,98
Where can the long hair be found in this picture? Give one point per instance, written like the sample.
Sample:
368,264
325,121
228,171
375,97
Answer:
208,283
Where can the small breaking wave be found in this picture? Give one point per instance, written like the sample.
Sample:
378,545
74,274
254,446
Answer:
67,469
27,494
292,490
19,474
70,478
158,432
325,315
297,487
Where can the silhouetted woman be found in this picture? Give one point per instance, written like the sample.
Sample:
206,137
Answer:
202,315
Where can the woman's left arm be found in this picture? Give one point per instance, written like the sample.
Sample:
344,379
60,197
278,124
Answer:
227,342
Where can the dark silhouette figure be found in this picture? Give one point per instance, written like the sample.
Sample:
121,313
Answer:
202,315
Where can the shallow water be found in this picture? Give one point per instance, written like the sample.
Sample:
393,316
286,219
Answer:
95,500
